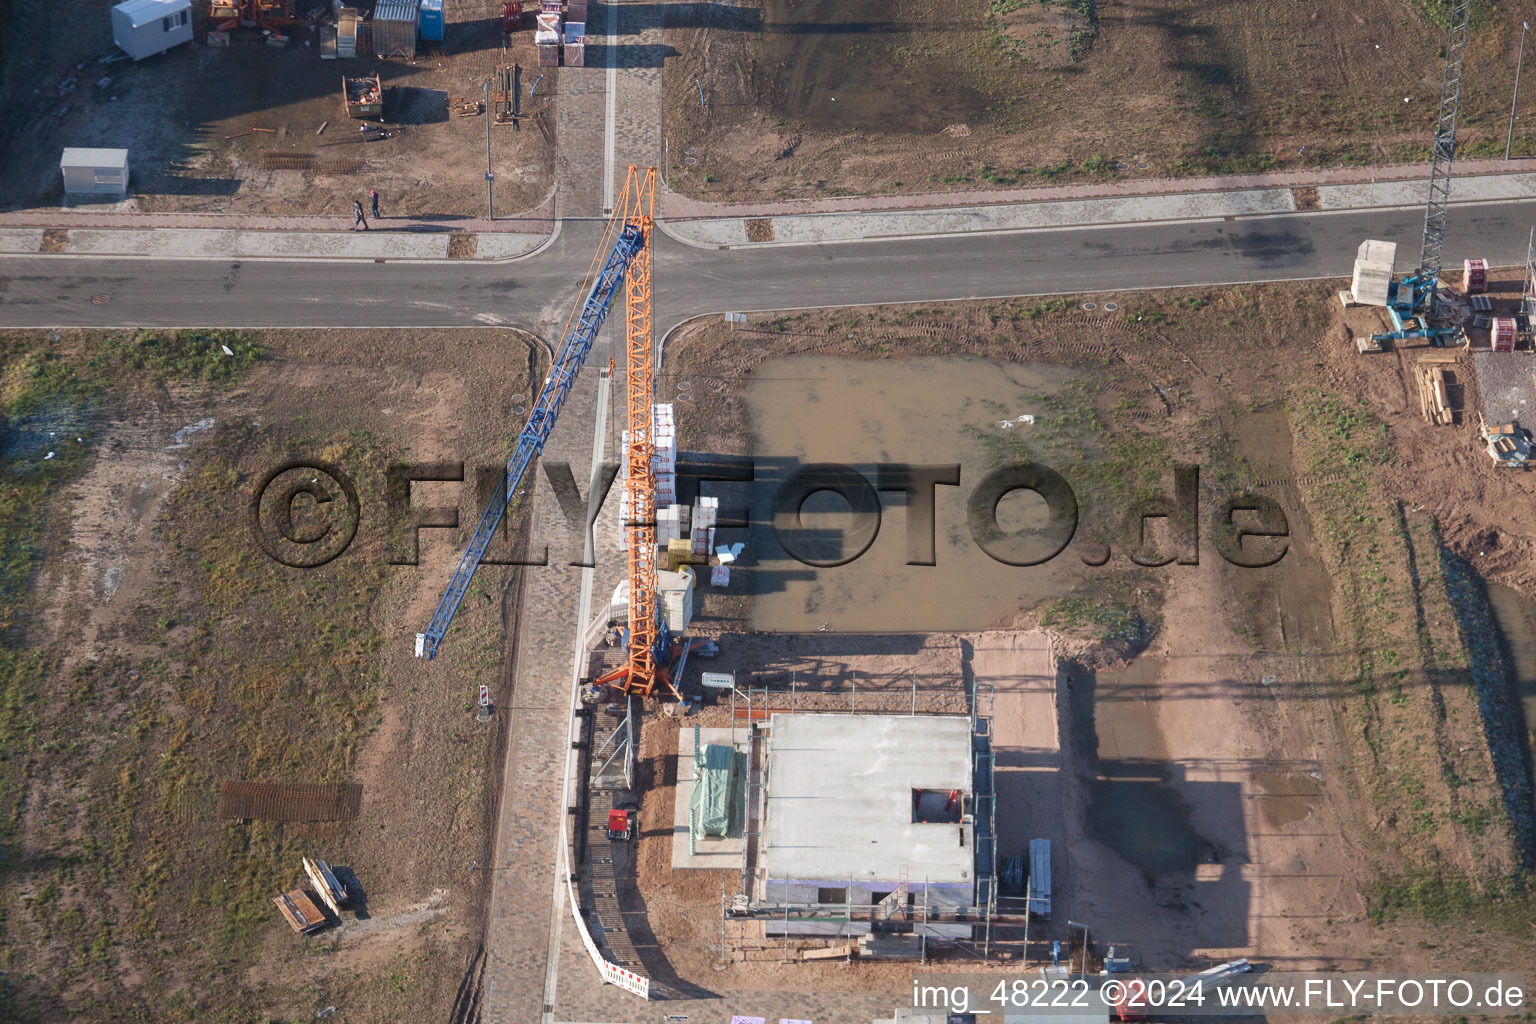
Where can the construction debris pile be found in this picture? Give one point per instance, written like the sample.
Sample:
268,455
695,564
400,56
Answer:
364,97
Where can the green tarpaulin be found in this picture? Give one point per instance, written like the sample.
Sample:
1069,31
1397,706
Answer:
714,786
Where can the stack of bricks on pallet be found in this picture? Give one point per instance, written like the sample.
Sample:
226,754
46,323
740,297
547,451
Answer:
669,523
703,530
1474,276
664,454
547,34
663,472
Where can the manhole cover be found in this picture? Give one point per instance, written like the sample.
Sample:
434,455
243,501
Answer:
1121,165
531,178
684,385
690,161
1090,306
1141,165
691,150
683,396
1110,307
100,300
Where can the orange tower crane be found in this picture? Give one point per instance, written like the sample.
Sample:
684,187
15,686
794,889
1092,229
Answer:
643,669
639,484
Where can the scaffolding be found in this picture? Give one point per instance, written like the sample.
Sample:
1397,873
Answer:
984,805
1528,286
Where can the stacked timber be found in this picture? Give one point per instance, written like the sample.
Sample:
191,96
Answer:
1434,396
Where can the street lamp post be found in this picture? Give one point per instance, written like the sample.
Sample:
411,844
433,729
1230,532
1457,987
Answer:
1509,143
490,210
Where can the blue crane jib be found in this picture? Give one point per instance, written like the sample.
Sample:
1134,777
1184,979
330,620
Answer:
562,377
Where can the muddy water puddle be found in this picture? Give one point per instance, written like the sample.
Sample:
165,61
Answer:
1287,797
866,413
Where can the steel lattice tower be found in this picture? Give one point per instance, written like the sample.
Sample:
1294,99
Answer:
1444,151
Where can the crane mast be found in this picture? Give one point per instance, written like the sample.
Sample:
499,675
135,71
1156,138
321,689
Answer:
639,483
1443,153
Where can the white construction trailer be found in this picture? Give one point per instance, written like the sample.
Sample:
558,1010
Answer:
143,28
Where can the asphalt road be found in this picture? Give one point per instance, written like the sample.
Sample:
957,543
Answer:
536,293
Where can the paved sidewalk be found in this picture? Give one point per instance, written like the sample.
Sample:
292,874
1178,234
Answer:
715,226
868,225
110,231
676,207
221,243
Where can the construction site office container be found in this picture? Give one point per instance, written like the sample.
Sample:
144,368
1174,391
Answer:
95,172
394,28
143,28
432,25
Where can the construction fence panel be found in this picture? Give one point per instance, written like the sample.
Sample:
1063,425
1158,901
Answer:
639,984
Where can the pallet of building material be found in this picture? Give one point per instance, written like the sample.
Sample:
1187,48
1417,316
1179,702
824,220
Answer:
289,801
461,107
348,26
326,884
299,911
826,953
1434,396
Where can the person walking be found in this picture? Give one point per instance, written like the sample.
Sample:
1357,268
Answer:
373,199
357,208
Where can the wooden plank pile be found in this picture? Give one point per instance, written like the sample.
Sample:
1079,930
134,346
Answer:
1434,395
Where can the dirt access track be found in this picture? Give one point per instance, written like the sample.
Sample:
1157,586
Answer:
198,119
806,98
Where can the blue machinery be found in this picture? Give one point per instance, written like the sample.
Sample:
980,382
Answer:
557,387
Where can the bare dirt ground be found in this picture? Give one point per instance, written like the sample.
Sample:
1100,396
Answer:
1245,762
819,98
197,119
1477,505
188,657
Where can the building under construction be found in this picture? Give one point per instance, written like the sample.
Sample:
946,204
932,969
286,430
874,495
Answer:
874,833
